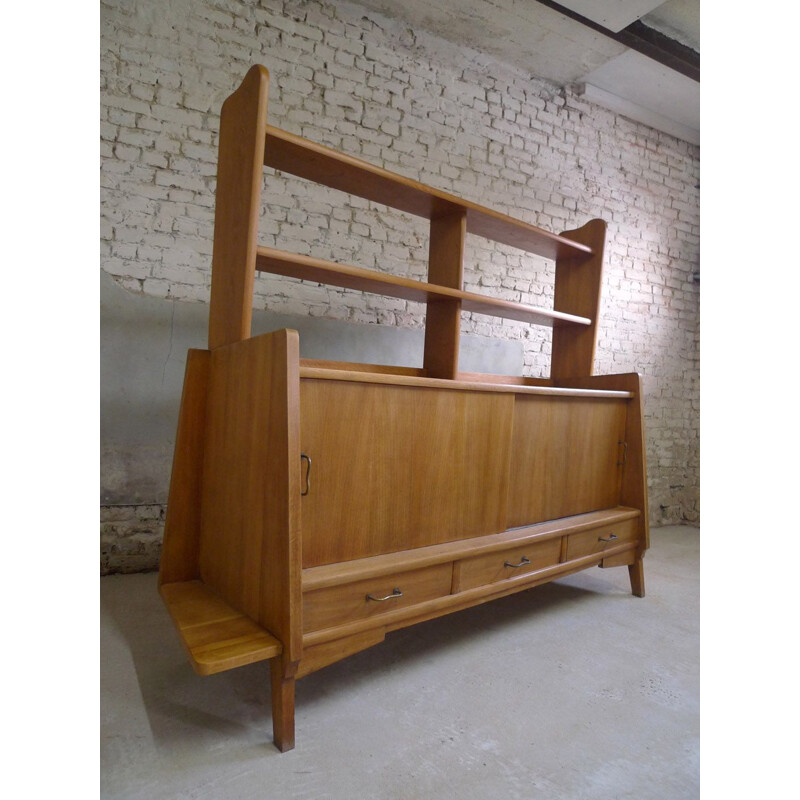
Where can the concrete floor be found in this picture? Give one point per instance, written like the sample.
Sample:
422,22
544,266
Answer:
573,690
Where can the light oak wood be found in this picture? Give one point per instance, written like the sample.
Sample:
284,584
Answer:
419,557
402,617
216,637
601,539
327,653
489,592
564,458
282,687
443,317
287,152
512,380
238,203
633,490
636,573
249,552
397,469
181,544
279,262
429,489
577,291
396,379
352,366
367,599
506,564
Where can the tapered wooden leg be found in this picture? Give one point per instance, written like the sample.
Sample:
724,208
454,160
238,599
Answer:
636,572
282,705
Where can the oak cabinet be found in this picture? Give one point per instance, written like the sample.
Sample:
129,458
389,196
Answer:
317,506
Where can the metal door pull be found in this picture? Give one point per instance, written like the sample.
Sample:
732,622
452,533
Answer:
395,593
308,474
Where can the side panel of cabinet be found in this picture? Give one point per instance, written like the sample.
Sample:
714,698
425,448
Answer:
565,458
249,540
398,467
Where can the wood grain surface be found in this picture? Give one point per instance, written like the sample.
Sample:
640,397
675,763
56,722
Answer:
398,467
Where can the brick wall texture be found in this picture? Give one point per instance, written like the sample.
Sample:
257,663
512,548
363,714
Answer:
448,116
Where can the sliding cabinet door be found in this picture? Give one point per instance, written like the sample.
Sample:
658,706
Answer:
395,467
566,457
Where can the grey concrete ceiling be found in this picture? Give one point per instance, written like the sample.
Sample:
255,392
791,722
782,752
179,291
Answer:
552,43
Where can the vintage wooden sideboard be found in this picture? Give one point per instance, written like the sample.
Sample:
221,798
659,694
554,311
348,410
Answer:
316,506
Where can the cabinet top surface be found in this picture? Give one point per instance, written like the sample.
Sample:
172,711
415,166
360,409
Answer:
321,373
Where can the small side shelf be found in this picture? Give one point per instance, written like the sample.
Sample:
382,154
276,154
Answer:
291,265
215,636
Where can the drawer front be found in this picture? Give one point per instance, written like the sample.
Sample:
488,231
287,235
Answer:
338,605
599,539
494,567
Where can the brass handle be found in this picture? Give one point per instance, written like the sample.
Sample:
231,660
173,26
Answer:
308,474
395,593
522,563
611,538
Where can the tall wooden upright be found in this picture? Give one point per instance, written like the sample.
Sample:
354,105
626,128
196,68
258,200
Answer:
445,268
240,174
577,291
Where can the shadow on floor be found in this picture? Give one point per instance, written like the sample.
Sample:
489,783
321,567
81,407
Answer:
186,708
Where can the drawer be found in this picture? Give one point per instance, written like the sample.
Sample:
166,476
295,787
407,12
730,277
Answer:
338,605
599,539
494,567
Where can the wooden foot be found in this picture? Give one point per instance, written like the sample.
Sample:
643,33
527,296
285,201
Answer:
282,705
636,572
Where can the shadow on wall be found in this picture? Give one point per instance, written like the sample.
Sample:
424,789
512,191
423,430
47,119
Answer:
143,348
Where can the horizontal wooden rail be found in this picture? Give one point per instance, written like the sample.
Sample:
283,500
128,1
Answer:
306,268
328,575
321,373
315,162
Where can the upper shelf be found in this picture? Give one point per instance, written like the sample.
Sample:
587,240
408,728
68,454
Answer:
298,156
315,269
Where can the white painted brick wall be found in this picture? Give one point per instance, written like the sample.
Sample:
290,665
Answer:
447,116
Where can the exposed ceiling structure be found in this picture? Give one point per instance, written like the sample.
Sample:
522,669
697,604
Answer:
640,58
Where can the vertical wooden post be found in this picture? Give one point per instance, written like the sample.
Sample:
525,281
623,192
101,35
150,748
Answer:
240,171
577,291
636,573
282,681
445,268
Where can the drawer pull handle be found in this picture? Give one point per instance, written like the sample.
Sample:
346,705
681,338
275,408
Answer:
395,593
308,474
522,563
611,537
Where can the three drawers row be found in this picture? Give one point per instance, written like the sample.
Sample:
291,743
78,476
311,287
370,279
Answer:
361,599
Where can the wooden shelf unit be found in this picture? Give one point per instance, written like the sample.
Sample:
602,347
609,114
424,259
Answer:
315,506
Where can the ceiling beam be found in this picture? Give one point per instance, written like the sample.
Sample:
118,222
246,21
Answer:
645,40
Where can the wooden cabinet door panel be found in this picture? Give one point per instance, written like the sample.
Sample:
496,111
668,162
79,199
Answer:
397,467
565,456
